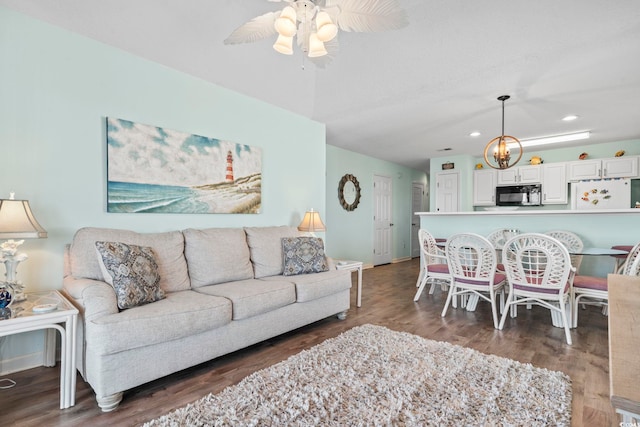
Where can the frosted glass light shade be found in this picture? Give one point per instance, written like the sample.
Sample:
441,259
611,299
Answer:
286,23
284,45
327,30
316,47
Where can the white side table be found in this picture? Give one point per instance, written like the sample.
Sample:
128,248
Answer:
353,266
20,317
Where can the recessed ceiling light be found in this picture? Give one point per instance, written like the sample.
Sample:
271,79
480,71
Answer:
474,134
570,117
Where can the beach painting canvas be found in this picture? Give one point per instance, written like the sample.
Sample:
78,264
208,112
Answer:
156,170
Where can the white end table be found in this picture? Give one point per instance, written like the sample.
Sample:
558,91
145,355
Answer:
19,317
353,266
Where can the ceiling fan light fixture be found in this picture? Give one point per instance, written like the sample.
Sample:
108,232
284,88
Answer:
316,46
286,23
284,45
326,29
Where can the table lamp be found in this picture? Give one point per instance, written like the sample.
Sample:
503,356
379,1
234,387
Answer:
311,223
16,222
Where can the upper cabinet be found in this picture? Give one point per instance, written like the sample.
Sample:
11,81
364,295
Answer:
617,167
484,187
554,184
520,175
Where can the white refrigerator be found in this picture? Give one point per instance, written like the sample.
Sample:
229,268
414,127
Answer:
601,194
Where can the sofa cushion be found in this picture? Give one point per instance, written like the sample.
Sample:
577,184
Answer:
168,248
303,255
217,255
253,297
179,315
310,287
266,248
132,271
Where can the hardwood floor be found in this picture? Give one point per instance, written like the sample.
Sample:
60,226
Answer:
387,300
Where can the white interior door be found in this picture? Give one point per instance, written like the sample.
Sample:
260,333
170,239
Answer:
447,192
382,219
417,205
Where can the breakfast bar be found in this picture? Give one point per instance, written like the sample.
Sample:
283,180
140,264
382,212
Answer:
596,228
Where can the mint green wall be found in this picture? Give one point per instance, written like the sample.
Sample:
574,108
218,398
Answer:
56,89
349,235
466,165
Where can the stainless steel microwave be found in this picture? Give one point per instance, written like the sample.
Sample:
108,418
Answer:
519,195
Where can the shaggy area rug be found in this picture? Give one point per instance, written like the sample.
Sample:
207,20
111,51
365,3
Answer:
371,375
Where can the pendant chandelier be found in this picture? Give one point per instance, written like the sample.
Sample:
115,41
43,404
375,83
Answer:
502,145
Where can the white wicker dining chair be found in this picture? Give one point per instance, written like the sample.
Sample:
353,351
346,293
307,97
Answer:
498,238
631,266
434,267
595,290
472,264
539,272
572,242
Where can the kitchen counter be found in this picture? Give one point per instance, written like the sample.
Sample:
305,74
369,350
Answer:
596,228
535,212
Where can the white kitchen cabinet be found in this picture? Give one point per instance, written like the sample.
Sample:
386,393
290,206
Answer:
554,184
620,167
616,167
484,187
520,175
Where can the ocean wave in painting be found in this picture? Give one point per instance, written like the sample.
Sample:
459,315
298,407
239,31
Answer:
243,196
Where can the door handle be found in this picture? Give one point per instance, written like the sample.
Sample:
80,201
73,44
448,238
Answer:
391,225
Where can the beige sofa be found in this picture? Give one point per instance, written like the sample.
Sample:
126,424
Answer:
224,290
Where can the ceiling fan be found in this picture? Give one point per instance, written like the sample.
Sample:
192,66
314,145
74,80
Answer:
315,24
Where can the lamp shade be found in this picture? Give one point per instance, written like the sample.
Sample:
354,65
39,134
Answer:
311,222
17,221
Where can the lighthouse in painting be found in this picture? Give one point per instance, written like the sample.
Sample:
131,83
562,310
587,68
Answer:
229,177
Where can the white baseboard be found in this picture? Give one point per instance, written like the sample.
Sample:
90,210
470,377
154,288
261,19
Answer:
20,363
403,259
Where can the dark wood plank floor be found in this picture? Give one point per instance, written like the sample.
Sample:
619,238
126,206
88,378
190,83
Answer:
388,301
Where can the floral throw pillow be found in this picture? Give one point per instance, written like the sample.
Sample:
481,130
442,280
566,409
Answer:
303,255
132,271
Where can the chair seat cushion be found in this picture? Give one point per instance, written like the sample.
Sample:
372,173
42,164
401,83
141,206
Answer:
497,278
590,282
533,281
438,268
622,248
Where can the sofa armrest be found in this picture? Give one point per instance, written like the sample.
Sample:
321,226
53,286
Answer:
331,263
95,298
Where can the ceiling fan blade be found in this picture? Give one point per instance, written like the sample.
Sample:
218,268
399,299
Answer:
258,28
369,15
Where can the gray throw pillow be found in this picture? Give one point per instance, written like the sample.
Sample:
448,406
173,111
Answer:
303,255
132,271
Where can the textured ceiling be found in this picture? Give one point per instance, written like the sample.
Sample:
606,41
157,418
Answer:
403,95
